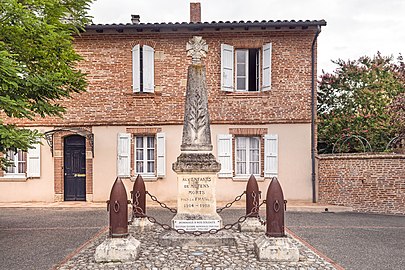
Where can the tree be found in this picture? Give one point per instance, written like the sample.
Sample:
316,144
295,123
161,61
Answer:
361,99
37,63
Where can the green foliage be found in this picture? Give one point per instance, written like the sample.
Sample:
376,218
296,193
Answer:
37,62
361,99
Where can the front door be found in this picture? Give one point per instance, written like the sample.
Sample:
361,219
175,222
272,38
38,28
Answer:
75,168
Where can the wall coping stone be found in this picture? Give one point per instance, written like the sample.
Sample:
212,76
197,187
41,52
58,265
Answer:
361,156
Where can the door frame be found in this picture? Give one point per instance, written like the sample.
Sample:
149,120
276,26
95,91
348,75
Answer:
82,147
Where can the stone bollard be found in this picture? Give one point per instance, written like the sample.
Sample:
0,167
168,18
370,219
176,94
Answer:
139,204
119,245
252,223
275,245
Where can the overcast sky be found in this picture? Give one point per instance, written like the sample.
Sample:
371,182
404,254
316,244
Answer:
354,27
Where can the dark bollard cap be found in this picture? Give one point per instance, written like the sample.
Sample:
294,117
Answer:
118,208
139,197
275,210
252,197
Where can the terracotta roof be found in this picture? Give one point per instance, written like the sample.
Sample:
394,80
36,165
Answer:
204,25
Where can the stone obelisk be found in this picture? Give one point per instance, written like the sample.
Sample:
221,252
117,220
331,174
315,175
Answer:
196,167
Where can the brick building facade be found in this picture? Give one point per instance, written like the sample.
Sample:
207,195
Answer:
259,92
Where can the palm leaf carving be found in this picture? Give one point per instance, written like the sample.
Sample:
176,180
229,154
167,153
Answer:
197,116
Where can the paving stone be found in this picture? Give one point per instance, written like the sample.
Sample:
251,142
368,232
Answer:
153,256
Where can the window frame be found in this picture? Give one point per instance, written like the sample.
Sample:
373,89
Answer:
16,161
145,159
248,160
246,76
262,69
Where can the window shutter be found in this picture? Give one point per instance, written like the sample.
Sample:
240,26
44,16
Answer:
266,67
136,72
148,69
34,161
270,155
227,65
160,153
225,154
124,154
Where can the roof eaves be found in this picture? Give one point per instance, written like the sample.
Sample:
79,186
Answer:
219,24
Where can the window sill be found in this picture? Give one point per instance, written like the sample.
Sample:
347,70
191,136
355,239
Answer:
143,94
13,179
244,94
243,178
146,178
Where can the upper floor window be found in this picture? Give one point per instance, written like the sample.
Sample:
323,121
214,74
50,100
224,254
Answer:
143,76
245,69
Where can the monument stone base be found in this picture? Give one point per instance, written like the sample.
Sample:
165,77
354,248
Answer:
251,224
118,250
222,238
276,249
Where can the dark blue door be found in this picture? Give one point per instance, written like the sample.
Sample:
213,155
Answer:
75,168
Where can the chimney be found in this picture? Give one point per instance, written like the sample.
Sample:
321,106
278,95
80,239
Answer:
135,19
195,12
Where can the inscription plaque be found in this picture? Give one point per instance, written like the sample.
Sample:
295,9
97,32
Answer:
197,225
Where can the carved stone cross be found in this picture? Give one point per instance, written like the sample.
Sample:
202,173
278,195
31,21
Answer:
197,48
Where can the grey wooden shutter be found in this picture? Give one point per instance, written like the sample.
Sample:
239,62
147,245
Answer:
136,72
271,155
160,154
34,161
266,69
148,69
124,155
227,66
224,148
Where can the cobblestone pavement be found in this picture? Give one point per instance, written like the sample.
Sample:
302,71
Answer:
153,256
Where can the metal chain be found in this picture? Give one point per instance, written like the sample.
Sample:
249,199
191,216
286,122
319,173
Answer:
198,233
135,208
163,205
228,205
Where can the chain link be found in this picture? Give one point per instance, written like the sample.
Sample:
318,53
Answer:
163,205
228,205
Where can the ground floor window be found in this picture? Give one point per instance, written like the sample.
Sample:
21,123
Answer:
141,151
18,159
248,151
144,155
247,155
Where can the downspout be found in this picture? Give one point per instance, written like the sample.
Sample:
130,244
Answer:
313,114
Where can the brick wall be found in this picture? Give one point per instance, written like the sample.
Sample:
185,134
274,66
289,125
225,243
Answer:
367,182
110,100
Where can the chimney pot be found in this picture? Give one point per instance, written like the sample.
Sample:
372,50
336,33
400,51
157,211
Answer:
195,12
135,19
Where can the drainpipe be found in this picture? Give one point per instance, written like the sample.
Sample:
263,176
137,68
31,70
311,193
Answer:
313,114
